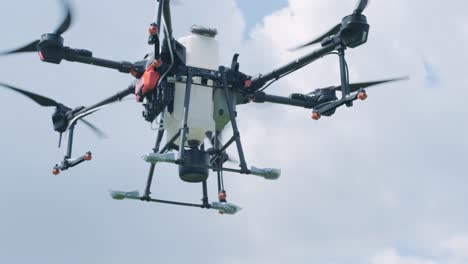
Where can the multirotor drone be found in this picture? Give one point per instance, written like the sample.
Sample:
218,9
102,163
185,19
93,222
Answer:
183,89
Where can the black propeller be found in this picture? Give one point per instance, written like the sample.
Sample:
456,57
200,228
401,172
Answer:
354,87
361,7
41,100
47,102
336,29
62,28
319,39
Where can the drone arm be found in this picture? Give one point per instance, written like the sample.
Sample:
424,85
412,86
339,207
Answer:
85,56
261,80
117,97
307,102
91,109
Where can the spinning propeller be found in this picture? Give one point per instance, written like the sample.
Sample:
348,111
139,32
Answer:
62,28
62,115
336,29
354,87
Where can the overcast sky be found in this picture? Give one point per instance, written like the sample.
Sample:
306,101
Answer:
383,182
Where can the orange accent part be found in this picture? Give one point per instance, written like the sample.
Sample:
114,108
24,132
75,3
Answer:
247,83
222,196
362,96
133,73
316,116
88,156
56,171
156,63
153,30
147,82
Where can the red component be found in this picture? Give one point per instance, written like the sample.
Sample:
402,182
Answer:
88,156
147,82
247,83
56,171
156,64
222,196
362,96
153,30
133,73
316,116
41,56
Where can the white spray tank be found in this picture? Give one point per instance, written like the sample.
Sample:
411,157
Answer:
208,111
202,51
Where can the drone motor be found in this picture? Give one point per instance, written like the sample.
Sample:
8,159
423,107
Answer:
51,48
354,30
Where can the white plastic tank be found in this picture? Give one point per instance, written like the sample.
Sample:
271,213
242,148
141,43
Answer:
202,51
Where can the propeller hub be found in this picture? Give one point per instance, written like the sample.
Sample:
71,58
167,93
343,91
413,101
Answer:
324,97
51,48
354,30
59,118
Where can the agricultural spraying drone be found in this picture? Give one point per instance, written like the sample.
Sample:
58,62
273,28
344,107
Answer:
181,86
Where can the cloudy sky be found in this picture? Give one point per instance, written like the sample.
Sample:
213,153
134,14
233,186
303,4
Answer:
383,182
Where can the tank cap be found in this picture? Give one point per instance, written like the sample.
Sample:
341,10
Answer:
204,31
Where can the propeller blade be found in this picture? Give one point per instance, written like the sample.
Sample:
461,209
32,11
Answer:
335,30
31,47
354,87
41,100
361,7
62,28
66,23
96,130
319,39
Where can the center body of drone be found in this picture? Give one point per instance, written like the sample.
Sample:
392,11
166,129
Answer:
208,110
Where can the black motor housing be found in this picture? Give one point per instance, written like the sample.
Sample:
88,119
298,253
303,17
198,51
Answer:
354,30
194,174
51,48
325,96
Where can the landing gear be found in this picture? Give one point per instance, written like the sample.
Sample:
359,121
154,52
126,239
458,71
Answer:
194,162
67,161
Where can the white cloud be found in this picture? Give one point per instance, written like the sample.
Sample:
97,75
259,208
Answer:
449,251
391,257
456,248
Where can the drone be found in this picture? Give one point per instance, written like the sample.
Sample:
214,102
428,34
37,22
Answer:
193,99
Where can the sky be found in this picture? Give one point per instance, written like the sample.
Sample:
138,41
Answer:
254,11
382,182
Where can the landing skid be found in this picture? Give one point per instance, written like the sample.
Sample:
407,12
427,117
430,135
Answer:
216,156
222,207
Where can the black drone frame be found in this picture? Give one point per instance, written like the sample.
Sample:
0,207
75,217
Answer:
231,78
